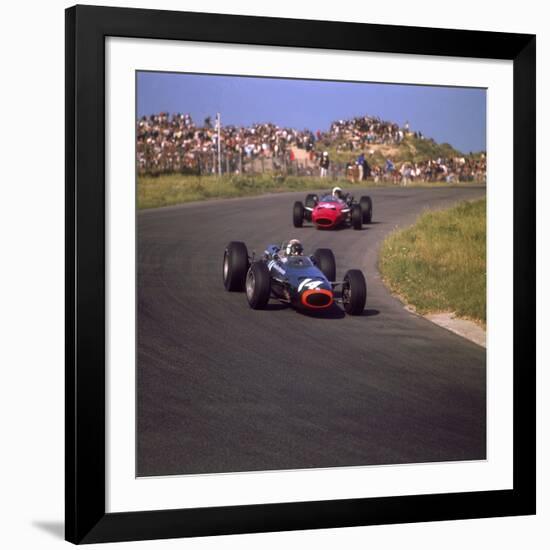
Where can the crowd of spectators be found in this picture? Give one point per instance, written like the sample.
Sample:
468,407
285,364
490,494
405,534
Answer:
167,143
174,143
360,132
448,170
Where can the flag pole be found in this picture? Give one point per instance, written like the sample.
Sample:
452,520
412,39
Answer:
219,124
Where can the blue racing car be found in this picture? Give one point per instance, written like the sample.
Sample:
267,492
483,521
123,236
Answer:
286,274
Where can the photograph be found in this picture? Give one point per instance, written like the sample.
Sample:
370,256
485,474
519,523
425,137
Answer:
311,273
275,276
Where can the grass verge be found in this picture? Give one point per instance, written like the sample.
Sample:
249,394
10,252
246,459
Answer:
171,189
439,264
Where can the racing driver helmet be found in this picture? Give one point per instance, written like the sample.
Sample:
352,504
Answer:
294,248
337,192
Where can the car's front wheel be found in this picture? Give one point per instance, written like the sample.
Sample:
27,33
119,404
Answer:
235,266
298,214
258,285
354,292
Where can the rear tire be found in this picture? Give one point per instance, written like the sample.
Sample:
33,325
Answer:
298,214
354,292
325,261
235,266
366,208
310,202
356,217
258,285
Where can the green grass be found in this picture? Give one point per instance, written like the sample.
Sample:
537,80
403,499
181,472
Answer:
418,150
439,264
176,188
171,189
411,149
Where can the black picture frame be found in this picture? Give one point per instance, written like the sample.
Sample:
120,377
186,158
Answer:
86,29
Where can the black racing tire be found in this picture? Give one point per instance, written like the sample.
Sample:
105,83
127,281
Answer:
311,202
235,266
356,216
325,261
366,208
354,292
258,285
298,214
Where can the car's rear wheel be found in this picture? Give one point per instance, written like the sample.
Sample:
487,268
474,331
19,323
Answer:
354,292
298,214
258,285
366,208
325,261
356,217
235,266
311,202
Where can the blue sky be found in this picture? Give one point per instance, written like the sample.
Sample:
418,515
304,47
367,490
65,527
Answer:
453,115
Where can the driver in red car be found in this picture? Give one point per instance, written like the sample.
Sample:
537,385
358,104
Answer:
337,193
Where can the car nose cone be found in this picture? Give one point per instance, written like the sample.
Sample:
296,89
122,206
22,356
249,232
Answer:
317,298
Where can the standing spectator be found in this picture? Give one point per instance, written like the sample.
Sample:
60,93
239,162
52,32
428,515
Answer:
364,168
324,164
406,173
361,165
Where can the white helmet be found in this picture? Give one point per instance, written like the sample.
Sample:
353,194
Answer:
294,248
337,192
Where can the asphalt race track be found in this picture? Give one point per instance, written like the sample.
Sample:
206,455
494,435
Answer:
223,388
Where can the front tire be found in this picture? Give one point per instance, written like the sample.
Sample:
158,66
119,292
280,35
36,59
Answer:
356,217
235,266
258,285
366,208
298,214
325,261
354,292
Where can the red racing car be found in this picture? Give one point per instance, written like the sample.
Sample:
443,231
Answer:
332,210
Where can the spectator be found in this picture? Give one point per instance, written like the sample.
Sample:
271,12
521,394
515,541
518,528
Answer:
324,164
361,163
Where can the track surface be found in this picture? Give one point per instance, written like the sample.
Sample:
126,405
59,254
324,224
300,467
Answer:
223,388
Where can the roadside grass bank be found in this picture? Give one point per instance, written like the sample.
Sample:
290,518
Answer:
439,264
167,190
411,149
